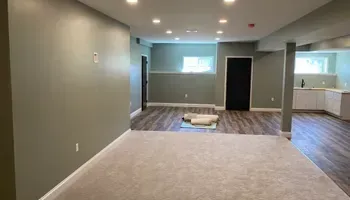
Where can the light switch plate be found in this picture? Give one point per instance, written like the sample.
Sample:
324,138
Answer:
96,57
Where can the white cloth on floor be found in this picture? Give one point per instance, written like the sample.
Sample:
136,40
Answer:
190,116
214,118
201,121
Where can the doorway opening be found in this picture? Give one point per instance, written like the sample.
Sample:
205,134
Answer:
144,82
238,84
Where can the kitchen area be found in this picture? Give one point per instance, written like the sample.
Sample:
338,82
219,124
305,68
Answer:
322,83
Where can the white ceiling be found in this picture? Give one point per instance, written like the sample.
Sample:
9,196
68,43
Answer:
203,15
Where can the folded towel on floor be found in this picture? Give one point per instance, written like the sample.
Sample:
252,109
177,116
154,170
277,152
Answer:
201,121
190,116
214,118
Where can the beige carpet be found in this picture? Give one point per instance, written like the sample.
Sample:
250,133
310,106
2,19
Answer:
177,166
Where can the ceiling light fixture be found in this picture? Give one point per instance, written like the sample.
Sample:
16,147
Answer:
192,31
217,38
177,38
219,32
223,21
229,1
169,32
156,21
132,1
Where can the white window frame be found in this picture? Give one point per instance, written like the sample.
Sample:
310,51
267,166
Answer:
319,73
210,72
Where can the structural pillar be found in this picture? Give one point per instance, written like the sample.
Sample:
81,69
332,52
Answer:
288,89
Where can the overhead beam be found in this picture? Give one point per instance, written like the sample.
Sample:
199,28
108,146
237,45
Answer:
328,21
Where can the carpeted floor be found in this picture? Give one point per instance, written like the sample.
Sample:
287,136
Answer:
173,166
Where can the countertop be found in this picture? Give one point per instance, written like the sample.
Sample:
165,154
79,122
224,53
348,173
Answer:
325,89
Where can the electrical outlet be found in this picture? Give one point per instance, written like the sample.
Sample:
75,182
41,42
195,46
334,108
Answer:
76,147
324,82
273,99
346,84
186,96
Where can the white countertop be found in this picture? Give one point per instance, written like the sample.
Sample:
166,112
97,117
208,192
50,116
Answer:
325,89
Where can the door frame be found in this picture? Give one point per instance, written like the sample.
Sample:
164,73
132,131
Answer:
147,71
251,78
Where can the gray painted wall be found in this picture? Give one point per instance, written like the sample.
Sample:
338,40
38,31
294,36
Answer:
171,88
169,57
200,88
60,97
136,50
7,166
343,70
267,74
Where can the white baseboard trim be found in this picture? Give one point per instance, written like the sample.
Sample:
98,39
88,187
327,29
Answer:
287,135
80,171
135,113
220,108
181,105
265,109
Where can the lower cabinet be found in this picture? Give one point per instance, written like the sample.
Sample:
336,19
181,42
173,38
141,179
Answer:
333,102
307,100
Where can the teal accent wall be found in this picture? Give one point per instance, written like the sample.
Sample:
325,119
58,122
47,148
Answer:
332,57
343,70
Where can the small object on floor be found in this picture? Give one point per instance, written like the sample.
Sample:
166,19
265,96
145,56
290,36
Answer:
201,121
189,125
190,116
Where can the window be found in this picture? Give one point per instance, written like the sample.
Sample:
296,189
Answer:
198,65
309,65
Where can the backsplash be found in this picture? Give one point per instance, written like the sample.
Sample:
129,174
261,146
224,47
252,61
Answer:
316,80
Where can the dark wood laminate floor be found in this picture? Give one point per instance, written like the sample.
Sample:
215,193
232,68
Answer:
323,139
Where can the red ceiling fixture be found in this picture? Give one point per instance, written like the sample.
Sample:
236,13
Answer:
251,25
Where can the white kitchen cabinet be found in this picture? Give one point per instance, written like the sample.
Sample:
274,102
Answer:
320,100
306,100
335,102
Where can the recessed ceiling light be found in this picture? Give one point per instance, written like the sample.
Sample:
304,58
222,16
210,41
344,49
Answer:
169,32
177,38
132,1
156,21
192,31
219,32
229,1
223,21
217,38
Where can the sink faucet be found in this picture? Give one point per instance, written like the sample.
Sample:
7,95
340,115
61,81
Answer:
302,83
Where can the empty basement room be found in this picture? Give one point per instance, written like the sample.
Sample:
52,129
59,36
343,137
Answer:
177,100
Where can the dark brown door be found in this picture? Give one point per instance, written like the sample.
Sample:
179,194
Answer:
238,83
144,82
